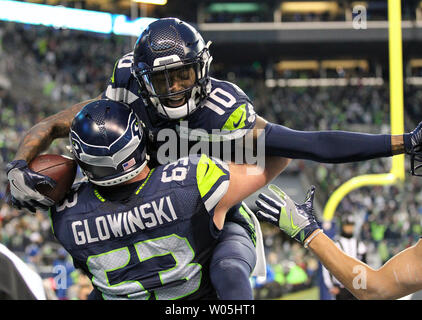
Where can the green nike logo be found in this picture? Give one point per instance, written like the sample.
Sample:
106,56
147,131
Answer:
294,227
286,223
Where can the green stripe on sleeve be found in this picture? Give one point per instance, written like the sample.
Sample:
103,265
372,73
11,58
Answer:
207,174
236,120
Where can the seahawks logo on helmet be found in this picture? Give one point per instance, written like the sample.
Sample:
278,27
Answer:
107,142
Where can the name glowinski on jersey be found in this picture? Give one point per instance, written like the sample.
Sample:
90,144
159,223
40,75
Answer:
115,225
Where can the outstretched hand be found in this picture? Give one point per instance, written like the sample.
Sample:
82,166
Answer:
296,220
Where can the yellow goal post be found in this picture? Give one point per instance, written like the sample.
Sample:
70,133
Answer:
397,172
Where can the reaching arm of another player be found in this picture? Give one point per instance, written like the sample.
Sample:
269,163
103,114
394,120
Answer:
23,180
337,146
400,276
245,179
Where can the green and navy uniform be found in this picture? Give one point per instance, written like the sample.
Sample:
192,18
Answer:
226,114
154,243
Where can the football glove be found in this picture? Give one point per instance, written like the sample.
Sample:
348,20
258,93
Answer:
23,182
296,220
413,147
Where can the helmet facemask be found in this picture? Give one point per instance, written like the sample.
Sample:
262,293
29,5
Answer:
176,88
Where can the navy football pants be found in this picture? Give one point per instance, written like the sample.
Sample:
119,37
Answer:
233,261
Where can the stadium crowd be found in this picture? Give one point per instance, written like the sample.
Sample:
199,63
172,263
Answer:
49,72
389,218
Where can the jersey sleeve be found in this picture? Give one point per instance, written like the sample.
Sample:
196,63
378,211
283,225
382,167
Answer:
239,121
121,86
212,177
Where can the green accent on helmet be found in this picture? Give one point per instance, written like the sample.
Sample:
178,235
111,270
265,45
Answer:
114,71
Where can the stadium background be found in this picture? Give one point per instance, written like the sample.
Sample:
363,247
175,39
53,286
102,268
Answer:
306,65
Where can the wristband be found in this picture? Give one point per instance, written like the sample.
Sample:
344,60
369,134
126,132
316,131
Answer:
308,241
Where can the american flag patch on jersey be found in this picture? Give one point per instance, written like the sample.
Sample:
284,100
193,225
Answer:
129,164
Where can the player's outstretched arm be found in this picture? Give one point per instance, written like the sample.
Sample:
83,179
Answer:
245,179
21,179
258,130
337,146
400,276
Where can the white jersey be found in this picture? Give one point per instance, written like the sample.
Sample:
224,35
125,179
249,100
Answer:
32,280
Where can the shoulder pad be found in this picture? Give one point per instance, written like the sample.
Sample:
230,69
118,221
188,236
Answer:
122,85
122,70
225,96
226,109
212,177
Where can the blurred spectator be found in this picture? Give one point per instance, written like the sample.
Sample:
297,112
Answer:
64,270
347,241
81,289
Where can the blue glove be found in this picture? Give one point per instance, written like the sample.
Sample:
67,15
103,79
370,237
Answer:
413,147
23,182
413,140
296,220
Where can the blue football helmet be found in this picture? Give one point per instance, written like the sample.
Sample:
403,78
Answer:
108,143
171,64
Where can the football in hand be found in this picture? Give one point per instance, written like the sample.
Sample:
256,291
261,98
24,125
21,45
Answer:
59,168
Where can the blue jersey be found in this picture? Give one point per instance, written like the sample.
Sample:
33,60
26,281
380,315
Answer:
226,114
157,243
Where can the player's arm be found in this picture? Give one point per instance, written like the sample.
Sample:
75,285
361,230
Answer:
337,146
258,130
245,179
252,132
22,180
40,136
240,122
399,277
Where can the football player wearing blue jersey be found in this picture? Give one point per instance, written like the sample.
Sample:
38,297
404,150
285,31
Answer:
166,81
139,232
397,278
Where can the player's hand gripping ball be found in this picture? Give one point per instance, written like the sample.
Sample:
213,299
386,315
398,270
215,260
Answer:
42,183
